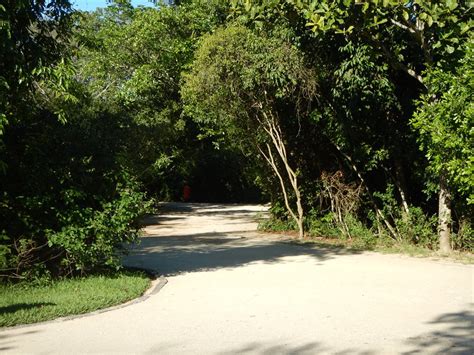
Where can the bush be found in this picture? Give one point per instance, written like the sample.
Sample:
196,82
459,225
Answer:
363,237
88,239
100,234
279,220
321,226
277,225
417,228
414,227
464,238
67,204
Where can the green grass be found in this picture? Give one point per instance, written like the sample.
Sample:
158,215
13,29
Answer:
23,303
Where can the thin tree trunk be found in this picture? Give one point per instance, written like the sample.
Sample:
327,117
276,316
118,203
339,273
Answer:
401,185
299,207
271,161
275,133
378,212
444,216
271,127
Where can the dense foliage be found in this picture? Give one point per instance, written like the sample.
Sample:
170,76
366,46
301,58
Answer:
68,202
350,116
375,60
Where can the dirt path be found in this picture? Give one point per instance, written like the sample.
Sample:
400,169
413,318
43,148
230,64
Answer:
231,291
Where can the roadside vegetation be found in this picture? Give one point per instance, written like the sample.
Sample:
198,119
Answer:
326,234
43,300
353,118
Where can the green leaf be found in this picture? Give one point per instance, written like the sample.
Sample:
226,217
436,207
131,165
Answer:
452,4
405,15
466,27
429,21
450,49
365,7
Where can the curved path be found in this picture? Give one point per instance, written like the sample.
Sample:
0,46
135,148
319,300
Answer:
233,291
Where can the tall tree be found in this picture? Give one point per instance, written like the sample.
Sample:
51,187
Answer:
445,122
433,38
32,35
244,82
415,37
131,62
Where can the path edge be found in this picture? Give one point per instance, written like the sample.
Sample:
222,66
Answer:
157,283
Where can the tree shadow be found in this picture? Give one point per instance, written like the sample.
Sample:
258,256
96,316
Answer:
306,349
176,211
6,341
158,219
170,253
265,348
205,209
23,306
177,254
454,336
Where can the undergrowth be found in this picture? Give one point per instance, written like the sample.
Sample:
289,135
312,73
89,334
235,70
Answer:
417,233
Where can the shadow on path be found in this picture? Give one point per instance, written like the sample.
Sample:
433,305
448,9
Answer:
172,255
7,341
306,349
178,212
183,238
454,335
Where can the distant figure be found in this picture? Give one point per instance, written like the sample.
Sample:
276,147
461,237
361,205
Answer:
186,192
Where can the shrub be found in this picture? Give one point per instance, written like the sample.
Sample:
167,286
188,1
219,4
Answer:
321,226
358,231
68,203
88,239
273,224
417,228
279,220
96,238
464,238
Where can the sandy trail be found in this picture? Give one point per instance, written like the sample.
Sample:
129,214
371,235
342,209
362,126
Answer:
233,291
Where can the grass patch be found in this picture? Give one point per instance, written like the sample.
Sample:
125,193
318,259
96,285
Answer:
24,303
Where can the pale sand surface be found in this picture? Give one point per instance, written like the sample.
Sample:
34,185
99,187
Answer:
231,290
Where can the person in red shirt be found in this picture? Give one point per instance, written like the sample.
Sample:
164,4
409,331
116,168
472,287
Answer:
186,192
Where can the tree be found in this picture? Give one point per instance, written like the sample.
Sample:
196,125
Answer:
67,204
31,35
131,62
436,31
415,37
445,123
250,85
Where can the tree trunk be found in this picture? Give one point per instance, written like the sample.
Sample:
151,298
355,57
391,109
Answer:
299,206
271,126
401,185
300,226
444,216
